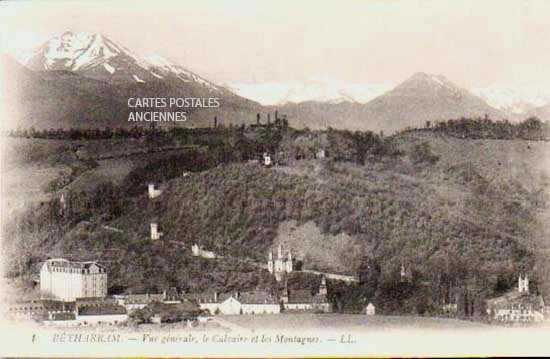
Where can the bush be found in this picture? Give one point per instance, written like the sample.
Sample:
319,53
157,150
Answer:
422,153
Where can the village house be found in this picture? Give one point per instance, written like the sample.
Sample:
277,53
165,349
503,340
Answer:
155,234
101,314
199,251
152,191
63,280
370,309
39,309
252,302
305,300
80,312
139,301
267,159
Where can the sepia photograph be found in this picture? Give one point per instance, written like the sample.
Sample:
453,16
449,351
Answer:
274,178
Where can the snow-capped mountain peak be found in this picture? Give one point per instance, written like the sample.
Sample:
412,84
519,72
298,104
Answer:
73,51
160,66
97,56
422,79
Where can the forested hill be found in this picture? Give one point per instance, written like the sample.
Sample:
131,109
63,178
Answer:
459,215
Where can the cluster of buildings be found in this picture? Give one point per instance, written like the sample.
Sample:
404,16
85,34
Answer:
264,302
75,293
72,293
519,306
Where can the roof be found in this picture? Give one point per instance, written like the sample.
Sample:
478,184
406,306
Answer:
207,297
515,298
64,263
63,316
304,296
256,297
249,297
143,298
163,308
108,309
47,305
95,300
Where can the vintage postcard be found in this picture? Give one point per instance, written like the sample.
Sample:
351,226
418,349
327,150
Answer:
274,178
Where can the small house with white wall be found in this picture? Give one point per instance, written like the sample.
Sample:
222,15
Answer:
370,309
252,302
267,159
155,234
199,251
152,191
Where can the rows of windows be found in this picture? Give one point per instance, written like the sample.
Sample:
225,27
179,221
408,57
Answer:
75,270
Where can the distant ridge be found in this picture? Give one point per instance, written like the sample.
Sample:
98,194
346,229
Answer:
422,97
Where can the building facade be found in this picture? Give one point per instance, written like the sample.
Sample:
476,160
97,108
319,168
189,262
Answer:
252,302
281,265
199,251
304,300
155,234
370,309
152,191
63,280
517,306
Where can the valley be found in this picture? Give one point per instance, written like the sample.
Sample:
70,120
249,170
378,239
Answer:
338,214
423,198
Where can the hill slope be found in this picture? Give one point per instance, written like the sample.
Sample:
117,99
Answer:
438,208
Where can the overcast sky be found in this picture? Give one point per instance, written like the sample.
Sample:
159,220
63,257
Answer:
473,43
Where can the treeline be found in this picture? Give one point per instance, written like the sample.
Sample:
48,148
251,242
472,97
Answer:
239,143
82,133
531,128
135,132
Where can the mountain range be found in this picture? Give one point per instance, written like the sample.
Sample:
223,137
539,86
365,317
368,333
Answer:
511,100
422,97
85,80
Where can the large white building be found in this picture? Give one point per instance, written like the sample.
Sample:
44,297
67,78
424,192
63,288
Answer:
64,280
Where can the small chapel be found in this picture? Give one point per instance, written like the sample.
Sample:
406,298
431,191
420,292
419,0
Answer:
281,265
